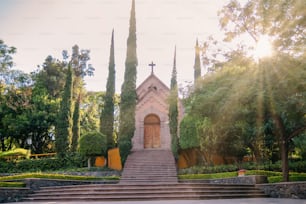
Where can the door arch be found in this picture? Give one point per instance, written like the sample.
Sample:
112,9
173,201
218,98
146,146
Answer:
151,131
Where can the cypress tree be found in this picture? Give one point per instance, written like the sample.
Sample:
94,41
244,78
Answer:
107,116
76,125
197,63
173,109
64,121
128,91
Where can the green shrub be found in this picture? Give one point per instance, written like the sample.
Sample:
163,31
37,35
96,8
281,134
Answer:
93,144
15,152
125,146
43,164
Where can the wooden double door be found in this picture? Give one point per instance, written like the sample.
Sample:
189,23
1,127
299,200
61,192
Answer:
152,131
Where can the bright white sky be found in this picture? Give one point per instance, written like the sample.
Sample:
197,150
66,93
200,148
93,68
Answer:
38,28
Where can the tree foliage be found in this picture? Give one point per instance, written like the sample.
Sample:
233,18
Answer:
6,59
188,133
283,20
93,144
128,95
107,116
173,109
76,128
197,63
64,120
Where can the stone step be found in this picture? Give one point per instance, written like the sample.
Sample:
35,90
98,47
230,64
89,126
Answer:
180,196
160,167
164,185
158,191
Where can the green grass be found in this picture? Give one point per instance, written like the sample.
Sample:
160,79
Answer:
56,176
12,184
273,177
208,176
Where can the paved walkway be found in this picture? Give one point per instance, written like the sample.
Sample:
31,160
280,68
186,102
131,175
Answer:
220,201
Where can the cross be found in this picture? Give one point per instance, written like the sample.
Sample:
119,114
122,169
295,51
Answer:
152,66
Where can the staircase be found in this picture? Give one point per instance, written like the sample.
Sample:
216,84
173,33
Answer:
125,192
149,166
147,175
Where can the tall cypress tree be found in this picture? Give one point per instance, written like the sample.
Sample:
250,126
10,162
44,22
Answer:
76,125
128,91
64,121
173,109
107,116
197,63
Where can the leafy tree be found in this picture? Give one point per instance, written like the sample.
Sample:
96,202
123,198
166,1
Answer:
283,20
284,84
173,109
51,75
81,68
197,63
64,120
93,103
188,133
107,116
128,91
93,144
76,125
6,60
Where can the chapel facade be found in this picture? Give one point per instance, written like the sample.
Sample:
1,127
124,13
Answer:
151,116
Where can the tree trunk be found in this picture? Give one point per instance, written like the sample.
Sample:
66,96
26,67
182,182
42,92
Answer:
284,155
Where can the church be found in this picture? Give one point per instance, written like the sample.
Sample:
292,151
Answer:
151,116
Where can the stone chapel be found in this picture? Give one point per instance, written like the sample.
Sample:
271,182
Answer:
151,117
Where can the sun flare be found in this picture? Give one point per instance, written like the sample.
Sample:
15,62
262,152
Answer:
263,47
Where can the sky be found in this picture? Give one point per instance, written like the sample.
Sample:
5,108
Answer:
38,28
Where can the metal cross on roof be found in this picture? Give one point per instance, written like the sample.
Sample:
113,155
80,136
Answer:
152,67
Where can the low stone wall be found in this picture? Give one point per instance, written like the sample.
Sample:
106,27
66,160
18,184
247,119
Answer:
36,183
13,194
285,190
250,180
16,194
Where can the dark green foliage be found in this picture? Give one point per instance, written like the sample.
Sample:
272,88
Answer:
44,164
252,168
125,147
64,120
51,77
128,95
197,63
76,126
93,144
188,133
107,116
173,110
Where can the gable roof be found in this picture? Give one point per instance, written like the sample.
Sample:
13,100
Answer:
152,77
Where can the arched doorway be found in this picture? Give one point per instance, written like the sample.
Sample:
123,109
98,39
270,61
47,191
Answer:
151,131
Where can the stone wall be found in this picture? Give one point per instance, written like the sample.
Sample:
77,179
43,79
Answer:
13,194
16,194
36,183
285,190
250,180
